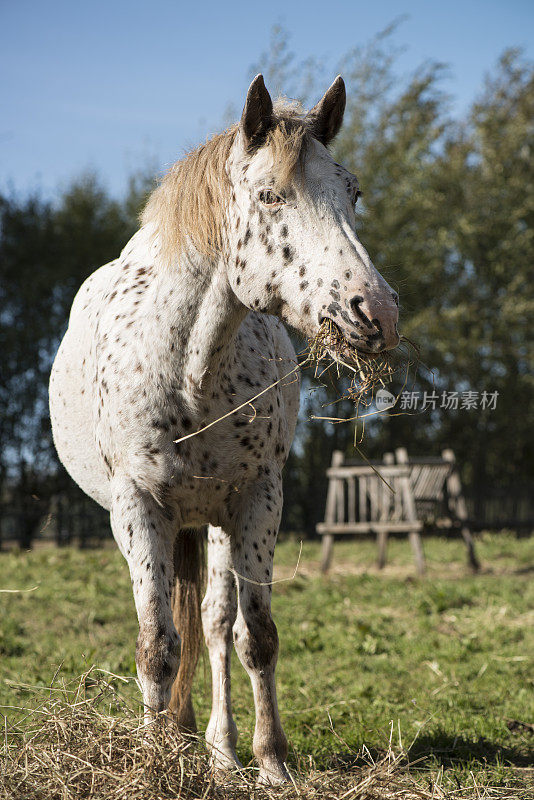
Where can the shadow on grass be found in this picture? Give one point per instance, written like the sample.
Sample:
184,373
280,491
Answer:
443,750
524,570
456,751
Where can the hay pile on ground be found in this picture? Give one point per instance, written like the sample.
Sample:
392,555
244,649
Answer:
71,746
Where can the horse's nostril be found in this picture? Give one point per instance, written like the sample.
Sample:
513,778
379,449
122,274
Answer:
355,304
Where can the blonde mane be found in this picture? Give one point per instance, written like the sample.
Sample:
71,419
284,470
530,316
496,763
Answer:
190,203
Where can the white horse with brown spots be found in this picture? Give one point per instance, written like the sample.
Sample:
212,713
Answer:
253,228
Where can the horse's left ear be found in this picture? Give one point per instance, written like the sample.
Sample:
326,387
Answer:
257,114
325,119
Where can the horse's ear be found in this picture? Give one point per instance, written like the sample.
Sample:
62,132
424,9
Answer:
325,119
257,114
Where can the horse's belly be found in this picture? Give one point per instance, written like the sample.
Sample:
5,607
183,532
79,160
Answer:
72,424
71,396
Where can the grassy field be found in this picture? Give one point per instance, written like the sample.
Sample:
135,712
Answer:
443,665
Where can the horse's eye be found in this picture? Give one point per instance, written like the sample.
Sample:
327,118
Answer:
357,195
269,198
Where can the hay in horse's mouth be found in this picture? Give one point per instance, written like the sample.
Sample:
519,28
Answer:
370,370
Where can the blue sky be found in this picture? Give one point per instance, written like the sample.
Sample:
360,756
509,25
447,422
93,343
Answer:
112,86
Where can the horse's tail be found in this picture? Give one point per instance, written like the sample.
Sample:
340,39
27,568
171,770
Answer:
189,569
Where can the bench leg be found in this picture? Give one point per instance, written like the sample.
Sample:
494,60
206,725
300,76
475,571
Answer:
472,559
382,541
417,547
328,547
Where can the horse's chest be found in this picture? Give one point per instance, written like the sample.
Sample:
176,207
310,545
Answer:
217,464
145,422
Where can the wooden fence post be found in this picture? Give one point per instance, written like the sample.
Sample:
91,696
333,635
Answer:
332,504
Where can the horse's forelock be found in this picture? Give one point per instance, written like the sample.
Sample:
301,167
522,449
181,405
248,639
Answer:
189,204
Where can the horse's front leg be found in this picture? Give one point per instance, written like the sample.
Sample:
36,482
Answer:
219,609
145,537
255,634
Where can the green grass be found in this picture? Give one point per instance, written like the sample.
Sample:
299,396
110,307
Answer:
445,661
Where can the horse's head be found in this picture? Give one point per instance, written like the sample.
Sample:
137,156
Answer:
293,247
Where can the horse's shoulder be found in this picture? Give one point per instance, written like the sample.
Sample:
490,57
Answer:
283,343
269,328
93,288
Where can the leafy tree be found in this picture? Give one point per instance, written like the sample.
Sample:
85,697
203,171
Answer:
447,218
486,341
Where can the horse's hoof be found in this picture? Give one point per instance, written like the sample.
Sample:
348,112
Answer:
225,761
274,775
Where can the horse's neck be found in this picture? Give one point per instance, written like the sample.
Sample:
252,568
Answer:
211,326
198,317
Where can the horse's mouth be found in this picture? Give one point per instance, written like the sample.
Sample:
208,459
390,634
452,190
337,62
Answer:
345,348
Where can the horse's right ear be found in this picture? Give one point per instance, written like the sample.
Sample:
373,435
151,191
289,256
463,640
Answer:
257,114
325,118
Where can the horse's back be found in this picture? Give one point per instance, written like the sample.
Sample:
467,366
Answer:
71,395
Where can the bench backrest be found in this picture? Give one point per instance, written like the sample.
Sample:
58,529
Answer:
359,493
362,491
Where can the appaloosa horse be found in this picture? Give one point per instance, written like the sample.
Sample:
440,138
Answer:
253,228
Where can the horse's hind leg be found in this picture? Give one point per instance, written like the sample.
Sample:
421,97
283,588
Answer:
219,609
145,537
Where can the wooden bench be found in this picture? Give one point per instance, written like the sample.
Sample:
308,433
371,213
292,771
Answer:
397,495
